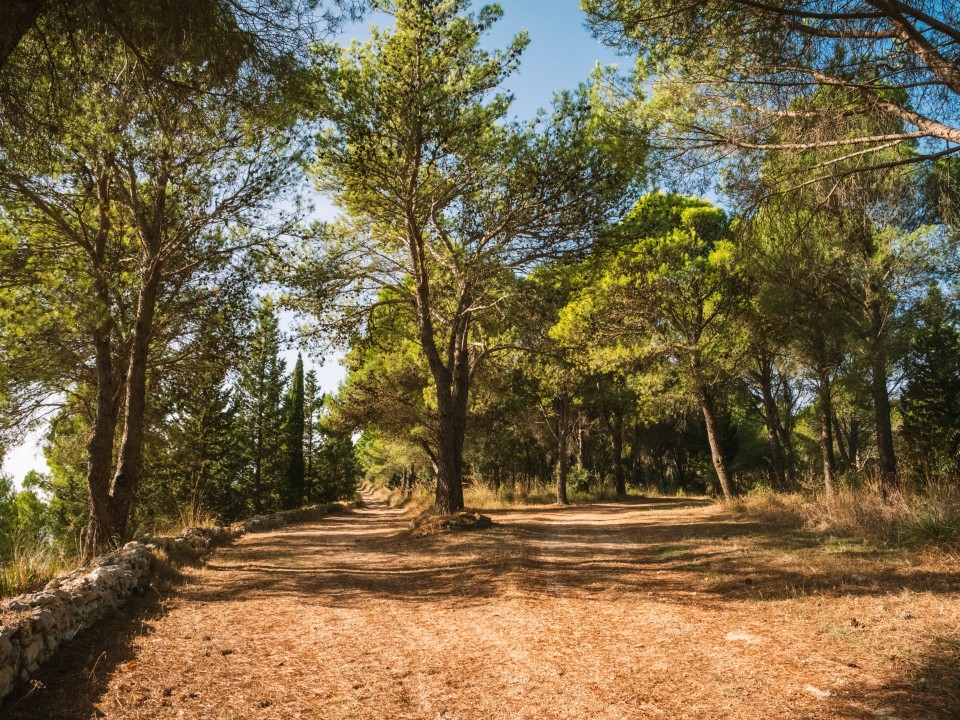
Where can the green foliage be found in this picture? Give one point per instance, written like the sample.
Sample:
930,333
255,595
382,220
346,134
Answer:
668,293
445,200
930,404
294,481
258,400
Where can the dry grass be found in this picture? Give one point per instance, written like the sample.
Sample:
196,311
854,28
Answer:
33,563
482,496
192,514
930,517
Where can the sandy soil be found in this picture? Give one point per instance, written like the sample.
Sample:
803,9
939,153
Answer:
652,609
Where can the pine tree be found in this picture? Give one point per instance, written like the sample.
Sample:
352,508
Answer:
931,399
258,400
193,464
312,406
294,487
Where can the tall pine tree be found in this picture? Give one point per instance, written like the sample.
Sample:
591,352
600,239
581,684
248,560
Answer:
258,398
294,487
312,406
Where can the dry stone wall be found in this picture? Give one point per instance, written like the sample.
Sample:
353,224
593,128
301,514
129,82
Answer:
34,625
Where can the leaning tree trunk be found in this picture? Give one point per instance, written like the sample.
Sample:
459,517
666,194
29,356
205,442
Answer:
130,457
713,437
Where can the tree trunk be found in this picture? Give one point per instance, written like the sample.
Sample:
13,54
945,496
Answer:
618,474
846,459
826,430
130,456
879,327
16,19
786,441
452,429
258,469
563,464
881,407
771,417
100,528
713,437
636,468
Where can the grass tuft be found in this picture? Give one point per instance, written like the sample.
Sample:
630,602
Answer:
32,564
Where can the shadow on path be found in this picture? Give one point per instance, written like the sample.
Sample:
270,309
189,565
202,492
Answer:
685,554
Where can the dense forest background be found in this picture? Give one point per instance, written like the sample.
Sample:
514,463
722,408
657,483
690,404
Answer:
530,308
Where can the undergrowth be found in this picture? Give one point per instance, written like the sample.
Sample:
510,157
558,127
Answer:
31,565
479,495
927,516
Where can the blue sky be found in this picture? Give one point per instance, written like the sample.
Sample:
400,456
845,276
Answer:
561,54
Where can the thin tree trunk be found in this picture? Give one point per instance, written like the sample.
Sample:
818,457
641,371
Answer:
886,455
771,417
713,437
563,463
846,459
826,430
618,470
881,406
853,443
786,439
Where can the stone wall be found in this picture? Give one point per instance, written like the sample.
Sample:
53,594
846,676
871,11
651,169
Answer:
34,625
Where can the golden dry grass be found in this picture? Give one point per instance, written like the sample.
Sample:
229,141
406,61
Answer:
653,608
919,518
31,565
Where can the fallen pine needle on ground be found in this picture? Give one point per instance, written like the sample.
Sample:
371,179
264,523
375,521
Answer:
656,608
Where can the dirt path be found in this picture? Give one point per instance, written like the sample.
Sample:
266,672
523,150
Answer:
656,609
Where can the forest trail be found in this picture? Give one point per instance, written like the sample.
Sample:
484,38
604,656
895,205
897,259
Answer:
650,609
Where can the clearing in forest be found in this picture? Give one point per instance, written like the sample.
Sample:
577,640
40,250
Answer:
649,609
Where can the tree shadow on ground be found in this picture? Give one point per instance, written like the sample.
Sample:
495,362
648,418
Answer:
70,685
704,558
926,688
544,551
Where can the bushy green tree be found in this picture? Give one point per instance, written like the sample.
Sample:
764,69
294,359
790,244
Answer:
930,404
671,291
443,196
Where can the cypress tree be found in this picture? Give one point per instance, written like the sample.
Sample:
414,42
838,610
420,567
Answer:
312,406
294,485
259,395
